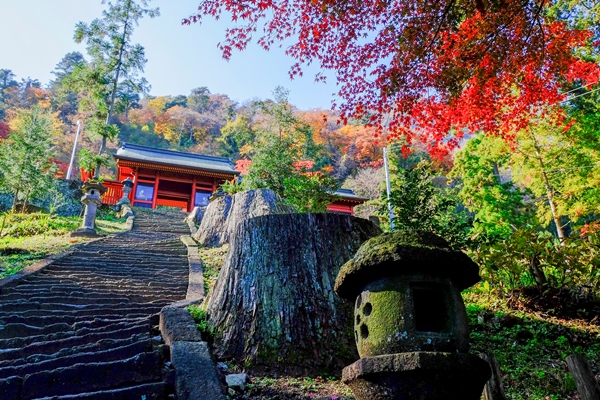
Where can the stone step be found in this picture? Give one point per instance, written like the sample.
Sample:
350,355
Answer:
17,342
21,306
90,377
76,322
12,330
129,312
114,354
10,388
100,345
104,287
74,300
18,326
138,274
140,295
53,346
146,391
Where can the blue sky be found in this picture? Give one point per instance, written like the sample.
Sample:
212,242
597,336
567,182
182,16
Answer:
38,33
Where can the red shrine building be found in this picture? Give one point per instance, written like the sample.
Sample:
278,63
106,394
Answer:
183,180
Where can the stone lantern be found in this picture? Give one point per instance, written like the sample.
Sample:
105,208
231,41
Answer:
410,323
93,190
127,187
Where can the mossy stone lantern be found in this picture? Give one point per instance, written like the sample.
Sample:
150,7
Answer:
410,323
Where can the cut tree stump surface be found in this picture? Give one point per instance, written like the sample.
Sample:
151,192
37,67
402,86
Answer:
86,326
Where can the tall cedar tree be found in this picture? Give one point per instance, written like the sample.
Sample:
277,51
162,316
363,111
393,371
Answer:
26,157
114,58
440,68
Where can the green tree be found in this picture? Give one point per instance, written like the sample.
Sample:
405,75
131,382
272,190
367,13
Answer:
7,80
113,58
26,157
497,204
419,202
278,150
63,99
562,173
198,99
236,134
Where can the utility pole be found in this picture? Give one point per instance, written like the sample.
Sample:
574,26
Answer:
74,148
388,187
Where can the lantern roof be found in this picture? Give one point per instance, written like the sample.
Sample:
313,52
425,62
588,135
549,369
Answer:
405,253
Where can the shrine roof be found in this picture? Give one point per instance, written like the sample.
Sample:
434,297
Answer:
135,152
348,194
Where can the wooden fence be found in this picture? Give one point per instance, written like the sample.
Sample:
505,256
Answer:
114,192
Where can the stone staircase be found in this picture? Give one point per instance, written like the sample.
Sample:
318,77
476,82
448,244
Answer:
86,326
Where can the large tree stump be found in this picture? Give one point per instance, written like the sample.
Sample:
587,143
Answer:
273,305
224,213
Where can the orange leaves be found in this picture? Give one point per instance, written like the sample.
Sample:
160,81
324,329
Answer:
243,166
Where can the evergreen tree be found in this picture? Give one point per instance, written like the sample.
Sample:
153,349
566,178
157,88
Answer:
26,157
113,58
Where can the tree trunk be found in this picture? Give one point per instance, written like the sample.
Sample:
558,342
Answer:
224,214
15,200
273,305
587,386
111,104
549,190
24,206
537,272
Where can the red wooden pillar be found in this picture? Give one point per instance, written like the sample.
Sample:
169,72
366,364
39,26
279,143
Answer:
155,195
193,198
135,180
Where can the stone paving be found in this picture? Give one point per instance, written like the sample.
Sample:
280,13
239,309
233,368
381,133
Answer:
86,326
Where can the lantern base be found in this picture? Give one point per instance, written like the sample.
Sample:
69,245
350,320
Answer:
86,232
417,376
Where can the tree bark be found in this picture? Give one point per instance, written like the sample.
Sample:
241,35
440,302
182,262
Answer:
15,200
224,214
273,305
537,272
587,386
549,190
493,388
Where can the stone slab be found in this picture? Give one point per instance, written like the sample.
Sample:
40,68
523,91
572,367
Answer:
196,376
196,274
86,232
176,324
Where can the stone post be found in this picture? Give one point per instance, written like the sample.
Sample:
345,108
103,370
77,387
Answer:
91,199
410,323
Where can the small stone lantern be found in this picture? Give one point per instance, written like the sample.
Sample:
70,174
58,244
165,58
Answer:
93,190
410,323
127,187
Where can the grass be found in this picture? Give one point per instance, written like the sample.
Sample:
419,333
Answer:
320,387
531,346
212,261
28,238
201,320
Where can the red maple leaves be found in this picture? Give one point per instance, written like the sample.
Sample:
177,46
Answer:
432,70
